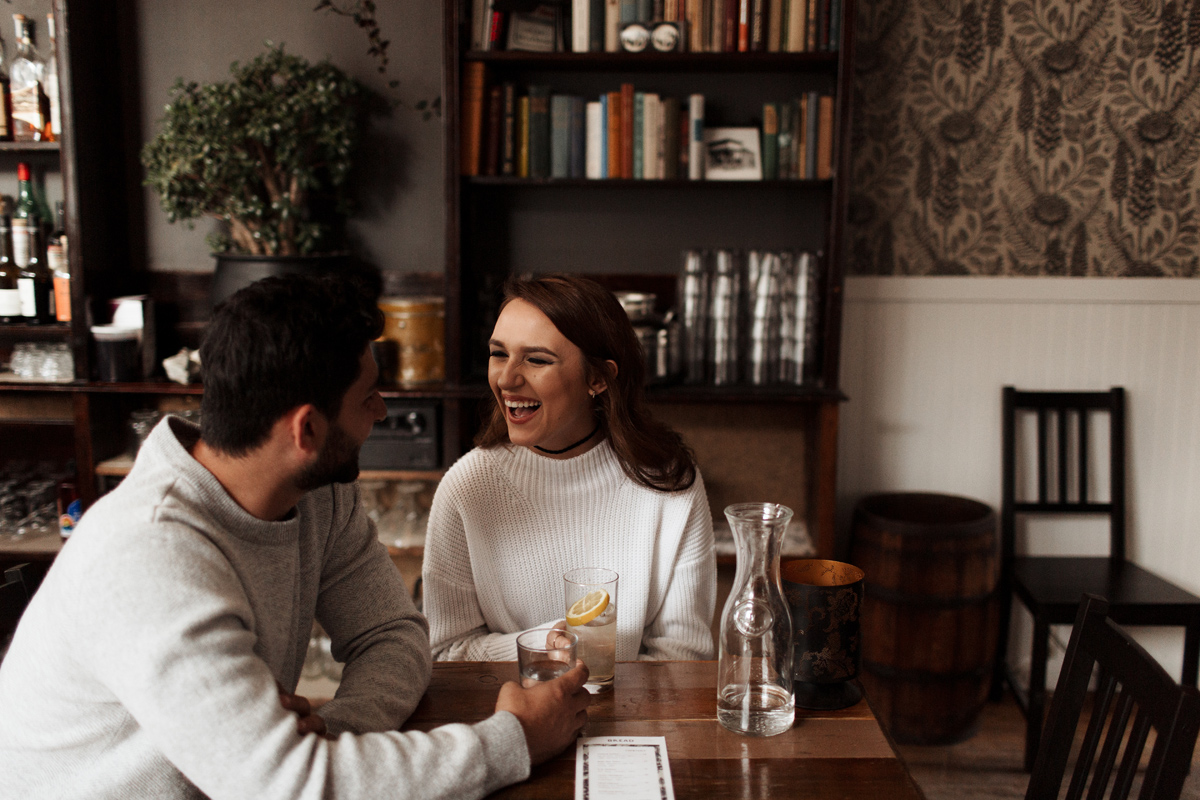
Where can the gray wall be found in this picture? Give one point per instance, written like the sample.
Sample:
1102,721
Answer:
399,225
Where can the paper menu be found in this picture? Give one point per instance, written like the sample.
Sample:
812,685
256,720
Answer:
622,768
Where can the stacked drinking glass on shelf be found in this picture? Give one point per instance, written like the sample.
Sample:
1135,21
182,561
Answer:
28,504
396,510
40,361
747,317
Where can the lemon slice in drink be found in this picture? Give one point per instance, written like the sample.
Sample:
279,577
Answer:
587,608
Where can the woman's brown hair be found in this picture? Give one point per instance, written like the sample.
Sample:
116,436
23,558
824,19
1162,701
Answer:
591,318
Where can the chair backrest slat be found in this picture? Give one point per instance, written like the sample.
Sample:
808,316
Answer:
1129,678
1061,461
1083,456
1106,686
1042,455
1112,745
1132,757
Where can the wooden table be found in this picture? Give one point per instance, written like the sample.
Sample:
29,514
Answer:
826,754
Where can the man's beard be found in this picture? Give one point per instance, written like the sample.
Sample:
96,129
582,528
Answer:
336,463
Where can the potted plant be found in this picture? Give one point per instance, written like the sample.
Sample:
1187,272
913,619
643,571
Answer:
267,153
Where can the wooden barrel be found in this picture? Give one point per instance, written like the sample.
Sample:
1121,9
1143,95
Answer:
931,612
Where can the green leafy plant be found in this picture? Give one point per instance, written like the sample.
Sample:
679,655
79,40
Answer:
266,152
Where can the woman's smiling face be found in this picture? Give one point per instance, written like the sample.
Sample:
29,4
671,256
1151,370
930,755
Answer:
540,379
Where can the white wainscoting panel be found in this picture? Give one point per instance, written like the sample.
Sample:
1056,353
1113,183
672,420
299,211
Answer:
923,363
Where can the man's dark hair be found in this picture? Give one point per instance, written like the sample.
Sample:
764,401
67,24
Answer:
277,344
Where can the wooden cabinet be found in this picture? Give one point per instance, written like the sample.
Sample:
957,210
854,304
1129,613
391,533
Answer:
93,168
633,233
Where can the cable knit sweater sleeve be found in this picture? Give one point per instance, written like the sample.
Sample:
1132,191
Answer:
681,631
457,629
383,643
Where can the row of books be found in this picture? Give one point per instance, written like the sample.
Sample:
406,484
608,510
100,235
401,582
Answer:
635,134
707,26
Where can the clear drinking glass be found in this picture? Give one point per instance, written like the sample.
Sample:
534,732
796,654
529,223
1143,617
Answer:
590,597
755,694
544,654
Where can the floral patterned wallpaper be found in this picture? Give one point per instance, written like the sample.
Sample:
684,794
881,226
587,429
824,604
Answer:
1026,137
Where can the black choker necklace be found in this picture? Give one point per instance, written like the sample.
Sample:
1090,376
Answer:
595,430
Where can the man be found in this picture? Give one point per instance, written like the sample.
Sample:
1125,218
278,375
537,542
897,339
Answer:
159,655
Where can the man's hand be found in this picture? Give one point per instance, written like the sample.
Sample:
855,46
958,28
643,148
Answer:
552,713
307,722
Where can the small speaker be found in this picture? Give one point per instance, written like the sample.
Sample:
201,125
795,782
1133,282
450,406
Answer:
406,439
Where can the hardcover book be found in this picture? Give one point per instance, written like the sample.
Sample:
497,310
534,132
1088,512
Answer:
473,81
539,131
577,137
560,140
770,142
508,134
495,121
523,136
825,137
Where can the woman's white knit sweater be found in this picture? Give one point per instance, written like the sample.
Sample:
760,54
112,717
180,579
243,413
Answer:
507,523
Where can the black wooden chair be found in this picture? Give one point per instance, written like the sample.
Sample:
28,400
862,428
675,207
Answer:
14,596
1050,586
1130,681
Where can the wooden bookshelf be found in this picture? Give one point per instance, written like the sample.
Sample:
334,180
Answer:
502,225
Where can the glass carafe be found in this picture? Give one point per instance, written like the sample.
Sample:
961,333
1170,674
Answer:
754,677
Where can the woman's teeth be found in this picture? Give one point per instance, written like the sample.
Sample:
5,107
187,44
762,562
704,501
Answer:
522,408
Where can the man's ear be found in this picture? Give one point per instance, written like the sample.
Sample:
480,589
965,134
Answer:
305,429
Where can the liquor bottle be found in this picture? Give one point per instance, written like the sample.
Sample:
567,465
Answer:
6,117
10,295
30,105
60,269
26,217
54,129
36,286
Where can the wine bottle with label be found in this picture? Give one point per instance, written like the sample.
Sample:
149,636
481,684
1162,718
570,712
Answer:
10,295
36,286
26,217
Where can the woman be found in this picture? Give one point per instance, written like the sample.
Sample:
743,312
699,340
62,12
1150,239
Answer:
569,471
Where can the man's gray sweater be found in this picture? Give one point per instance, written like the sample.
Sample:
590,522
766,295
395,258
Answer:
146,664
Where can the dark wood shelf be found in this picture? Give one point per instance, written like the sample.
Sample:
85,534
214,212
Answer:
58,332
638,183
743,394
654,62
29,147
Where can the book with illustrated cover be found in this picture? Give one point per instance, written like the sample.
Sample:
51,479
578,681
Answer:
533,31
